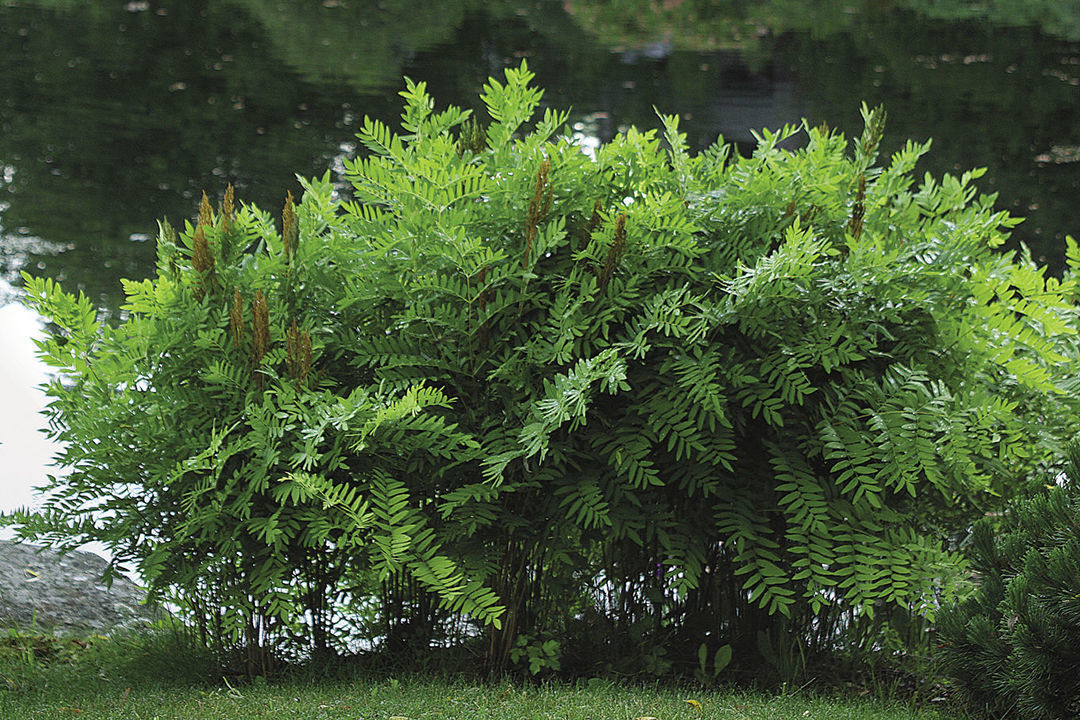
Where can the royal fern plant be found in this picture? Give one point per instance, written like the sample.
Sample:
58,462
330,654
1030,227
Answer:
488,380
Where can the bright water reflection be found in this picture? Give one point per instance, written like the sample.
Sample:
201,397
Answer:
25,450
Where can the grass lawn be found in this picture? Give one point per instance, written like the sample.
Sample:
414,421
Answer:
153,677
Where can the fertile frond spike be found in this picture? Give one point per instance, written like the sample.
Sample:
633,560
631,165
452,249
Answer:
236,319
260,329
201,258
618,247
206,218
202,261
290,230
228,206
298,353
539,205
858,210
472,137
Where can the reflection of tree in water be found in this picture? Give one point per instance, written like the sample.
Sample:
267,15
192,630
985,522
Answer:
364,44
727,24
1058,18
700,25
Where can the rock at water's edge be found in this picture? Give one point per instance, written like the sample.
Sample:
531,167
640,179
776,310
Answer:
39,587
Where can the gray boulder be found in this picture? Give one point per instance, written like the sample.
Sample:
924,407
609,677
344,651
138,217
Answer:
64,594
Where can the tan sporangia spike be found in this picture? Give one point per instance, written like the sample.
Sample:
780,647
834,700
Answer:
260,331
290,231
539,206
858,211
298,353
618,247
228,209
206,218
202,260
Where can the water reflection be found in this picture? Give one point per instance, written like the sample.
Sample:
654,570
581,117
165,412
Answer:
24,449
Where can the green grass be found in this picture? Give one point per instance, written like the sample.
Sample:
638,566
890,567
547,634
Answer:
159,676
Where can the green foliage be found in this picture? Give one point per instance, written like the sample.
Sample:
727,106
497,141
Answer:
708,669
650,399
227,451
535,654
32,660
1012,648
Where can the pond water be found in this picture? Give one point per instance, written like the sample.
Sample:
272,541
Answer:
116,114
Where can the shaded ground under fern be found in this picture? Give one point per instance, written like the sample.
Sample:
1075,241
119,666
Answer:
158,676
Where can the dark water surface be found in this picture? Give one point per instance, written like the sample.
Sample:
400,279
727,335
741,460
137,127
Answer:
116,114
